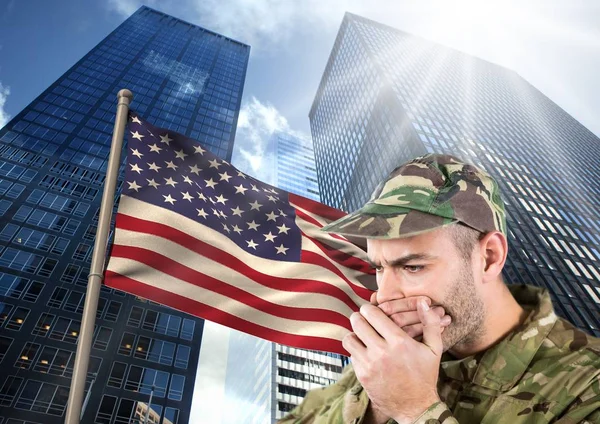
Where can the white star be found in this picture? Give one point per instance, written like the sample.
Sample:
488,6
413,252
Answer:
270,237
281,214
135,168
169,199
134,186
254,188
271,198
225,177
214,163
187,196
240,189
199,149
195,170
201,196
253,226
210,183
220,199
241,174
137,135
237,229
165,139
211,200
237,211
216,213
271,216
154,167
226,228
136,120
283,229
282,249
252,244
255,205
180,154
135,152
152,183
155,148
274,192
170,181
186,179
171,165
202,213
222,214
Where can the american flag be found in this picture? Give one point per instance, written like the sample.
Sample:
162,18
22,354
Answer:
194,233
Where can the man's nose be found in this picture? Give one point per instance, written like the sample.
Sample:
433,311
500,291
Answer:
389,286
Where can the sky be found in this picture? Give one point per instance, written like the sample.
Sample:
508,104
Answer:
554,44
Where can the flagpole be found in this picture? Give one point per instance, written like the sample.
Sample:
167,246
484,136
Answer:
95,277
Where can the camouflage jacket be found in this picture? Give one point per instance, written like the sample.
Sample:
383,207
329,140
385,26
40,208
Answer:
547,371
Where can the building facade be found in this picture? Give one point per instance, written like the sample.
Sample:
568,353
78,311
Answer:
387,96
53,158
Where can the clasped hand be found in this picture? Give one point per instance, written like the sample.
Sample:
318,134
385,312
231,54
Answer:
398,372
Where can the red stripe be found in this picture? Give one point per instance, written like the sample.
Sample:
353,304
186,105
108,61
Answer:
201,310
226,259
168,266
343,258
323,262
317,208
313,221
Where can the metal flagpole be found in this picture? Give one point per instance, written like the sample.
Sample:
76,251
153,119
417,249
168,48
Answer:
148,408
84,343
87,397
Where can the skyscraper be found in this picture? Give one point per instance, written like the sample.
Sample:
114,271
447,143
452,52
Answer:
52,166
387,96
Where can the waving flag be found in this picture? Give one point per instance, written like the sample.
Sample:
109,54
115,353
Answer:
194,233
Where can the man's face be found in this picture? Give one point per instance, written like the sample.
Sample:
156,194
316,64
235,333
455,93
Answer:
431,265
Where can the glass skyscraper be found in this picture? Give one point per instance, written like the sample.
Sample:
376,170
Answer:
387,96
53,158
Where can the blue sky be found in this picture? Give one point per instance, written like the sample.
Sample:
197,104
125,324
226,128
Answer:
554,44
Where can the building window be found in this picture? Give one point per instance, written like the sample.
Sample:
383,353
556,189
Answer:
27,355
117,374
43,325
9,390
58,297
126,345
65,330
183,356
176,388
17,319
187,329
135,316
102,338
112,313
141,380
106,409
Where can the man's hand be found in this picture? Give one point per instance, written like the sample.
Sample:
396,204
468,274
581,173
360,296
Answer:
404,313
398,373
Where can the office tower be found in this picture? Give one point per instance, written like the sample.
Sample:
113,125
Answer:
387,96
53,161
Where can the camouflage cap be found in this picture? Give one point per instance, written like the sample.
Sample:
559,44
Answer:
426,193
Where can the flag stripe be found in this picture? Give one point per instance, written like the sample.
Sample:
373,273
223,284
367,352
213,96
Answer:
218,315
317,208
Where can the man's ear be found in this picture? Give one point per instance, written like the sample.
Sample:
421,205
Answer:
494,248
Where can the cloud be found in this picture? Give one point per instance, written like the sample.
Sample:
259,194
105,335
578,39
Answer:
4,117
258,126
263,24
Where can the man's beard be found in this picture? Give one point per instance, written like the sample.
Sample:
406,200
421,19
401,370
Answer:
466,309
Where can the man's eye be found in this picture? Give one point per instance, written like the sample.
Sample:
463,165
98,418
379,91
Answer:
413,268
378,269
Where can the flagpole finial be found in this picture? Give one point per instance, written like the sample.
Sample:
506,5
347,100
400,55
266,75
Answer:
125,93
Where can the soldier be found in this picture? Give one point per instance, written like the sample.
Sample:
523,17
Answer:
436,236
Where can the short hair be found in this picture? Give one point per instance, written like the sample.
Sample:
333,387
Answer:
464,238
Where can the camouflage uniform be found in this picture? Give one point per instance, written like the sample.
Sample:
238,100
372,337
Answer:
547,371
